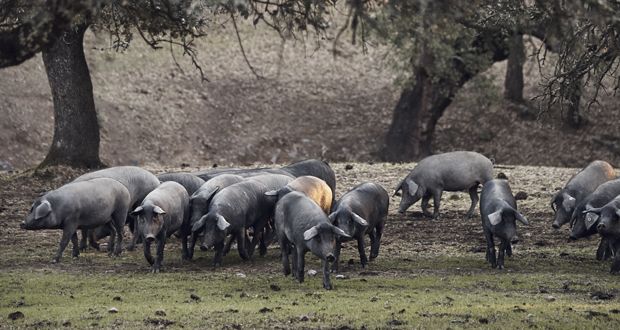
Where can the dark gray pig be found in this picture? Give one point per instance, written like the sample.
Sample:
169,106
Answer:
163,211
81,205
190,182
302,225
234,209
451,171
243,172
608,225
139,183
578,188
199,201
498,210
361,211
584,224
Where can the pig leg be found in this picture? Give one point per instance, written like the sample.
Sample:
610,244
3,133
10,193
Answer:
229,243
424,205
361,248
473,194
135,232
375,240
294,256
147,253
112,240
67,233
300,264
326,283
241,244
604,251
185,255
192,245
336,262
490,249
76,246
92,238
161,243
436,202
84,240
501,253
509,249
286,249
219,254
615,264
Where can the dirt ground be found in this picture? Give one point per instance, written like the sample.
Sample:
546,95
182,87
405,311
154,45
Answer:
428,274
310,105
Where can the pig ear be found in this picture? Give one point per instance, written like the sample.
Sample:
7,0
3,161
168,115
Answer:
42,210
413,187
333,217
398,188
359,220
569,202
592,210
222,224
554,200
521,218
341,232
158,210
137,211
590,220
495,217
198,225
310,233
271,193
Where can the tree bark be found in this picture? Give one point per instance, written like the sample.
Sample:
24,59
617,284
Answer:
421,105
513,84
414,119
76,129
573,116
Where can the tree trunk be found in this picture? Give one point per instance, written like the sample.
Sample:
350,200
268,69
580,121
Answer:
513,85
573,117
76,129
413,123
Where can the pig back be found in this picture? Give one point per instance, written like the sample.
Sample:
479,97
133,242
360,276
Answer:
368,200
588,179
316,168
494,192
314,188
190,182
453,171
96,199
139,182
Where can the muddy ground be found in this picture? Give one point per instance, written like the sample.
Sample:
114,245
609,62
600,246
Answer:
428,274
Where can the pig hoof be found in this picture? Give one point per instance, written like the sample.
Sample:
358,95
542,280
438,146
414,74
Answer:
500,267
55,260
204,248
327,286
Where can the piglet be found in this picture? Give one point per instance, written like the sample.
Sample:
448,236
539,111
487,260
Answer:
163,211
361,211
498,210
302,225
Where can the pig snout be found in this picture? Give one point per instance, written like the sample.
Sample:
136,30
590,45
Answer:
572,237
330,258
150,238
22,225
601,226
514,240
555,225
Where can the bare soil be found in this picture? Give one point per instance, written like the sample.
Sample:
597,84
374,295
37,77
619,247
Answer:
310,105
